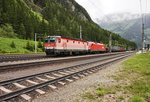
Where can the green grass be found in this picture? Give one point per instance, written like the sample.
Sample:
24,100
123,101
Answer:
89,95
121,97
20,44
118,86
140,86
137,99
100,91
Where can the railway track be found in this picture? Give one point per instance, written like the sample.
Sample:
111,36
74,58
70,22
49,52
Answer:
20,57
22,88
24,57
18,66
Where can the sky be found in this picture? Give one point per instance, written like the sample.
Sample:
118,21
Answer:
99,8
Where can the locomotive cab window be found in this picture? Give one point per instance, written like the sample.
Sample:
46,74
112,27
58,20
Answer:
52,39
46,40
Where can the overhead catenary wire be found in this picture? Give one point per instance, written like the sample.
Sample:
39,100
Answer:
145,11
94,5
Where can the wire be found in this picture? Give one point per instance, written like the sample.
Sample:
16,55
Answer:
141,11
145,11
99,13
141,6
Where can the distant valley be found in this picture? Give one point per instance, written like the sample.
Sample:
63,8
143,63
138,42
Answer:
127,25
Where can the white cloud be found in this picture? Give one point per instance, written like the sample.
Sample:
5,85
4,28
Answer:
99,8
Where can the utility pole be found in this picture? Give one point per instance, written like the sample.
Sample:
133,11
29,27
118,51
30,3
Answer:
35,43
80,32
110,37
142,36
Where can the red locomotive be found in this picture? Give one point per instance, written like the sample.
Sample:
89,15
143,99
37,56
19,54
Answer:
63,45
96,47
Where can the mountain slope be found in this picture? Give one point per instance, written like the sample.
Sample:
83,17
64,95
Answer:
129,27
24,18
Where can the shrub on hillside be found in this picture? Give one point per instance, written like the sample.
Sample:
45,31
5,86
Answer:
7,31
40,44
29,46
12,45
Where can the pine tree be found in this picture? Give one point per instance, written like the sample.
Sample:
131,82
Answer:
22,31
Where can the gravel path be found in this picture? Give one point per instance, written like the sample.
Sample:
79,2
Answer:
73,91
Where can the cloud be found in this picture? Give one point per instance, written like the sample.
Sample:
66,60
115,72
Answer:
99,8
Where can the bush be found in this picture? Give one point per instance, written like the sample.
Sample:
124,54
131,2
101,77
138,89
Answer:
13,44
29,46
7,31
40,44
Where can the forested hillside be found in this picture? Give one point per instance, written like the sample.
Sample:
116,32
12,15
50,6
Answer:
23,18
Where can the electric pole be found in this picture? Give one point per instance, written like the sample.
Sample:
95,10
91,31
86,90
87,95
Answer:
35,44
110,37
80,32
142,36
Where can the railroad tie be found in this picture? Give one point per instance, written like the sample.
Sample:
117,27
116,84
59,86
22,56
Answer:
41,79
85,73
76,77
40,91
68,71
62,73
90,72
19,85
35,83
69,80
4,89
81,75
49,77
58,75
32,82
26,97
62,83
52,86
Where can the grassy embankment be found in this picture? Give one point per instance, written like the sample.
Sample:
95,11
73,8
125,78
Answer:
132,82
20,46
139,65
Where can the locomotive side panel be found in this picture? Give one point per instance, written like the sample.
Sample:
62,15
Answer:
96,47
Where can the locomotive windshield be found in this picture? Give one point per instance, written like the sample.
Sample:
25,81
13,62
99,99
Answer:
51,40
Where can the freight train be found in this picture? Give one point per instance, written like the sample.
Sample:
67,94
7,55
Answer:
59,45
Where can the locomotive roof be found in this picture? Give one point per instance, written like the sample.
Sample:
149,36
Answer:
68,38
75,39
